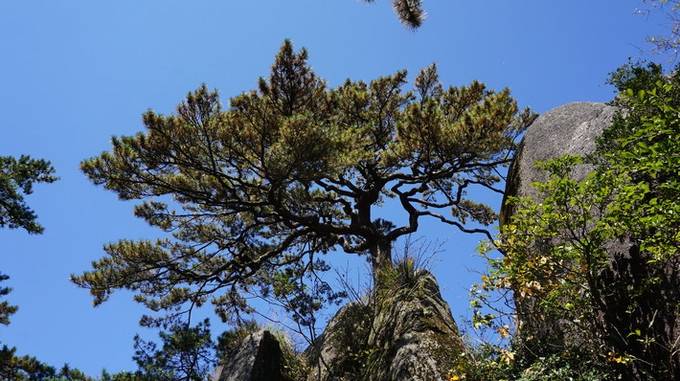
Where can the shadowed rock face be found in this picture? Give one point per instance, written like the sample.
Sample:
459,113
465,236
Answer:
259,358
405,333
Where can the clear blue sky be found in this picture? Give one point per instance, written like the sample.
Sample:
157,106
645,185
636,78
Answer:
74,73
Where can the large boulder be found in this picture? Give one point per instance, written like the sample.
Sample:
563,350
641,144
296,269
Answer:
404,331
570,129
262,356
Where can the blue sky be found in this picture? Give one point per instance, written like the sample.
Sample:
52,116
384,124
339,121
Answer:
74,73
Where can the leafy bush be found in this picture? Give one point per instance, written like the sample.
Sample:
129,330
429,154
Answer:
597,259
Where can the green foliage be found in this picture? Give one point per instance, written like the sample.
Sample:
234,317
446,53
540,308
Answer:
404,274
17,177
635,77
561,368
13,367
290,171
121,376
293,367
350,333
301,292
6,309
489,362
410,12
229,341
186,354
598,257
479,363
642,149
26,368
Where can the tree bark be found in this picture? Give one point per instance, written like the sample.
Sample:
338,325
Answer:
381,257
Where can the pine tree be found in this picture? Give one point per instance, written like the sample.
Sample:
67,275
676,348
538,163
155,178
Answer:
186,354
291,171
27,368
6,309
17,177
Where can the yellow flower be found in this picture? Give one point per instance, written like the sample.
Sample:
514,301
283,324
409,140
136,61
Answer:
504,331
619,359
507,357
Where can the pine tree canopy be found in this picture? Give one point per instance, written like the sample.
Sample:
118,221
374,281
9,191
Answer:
293,170
17,177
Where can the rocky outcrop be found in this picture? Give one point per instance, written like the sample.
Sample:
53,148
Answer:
414,333
404,331
260,357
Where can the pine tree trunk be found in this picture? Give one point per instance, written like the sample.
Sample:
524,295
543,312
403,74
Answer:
381,257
